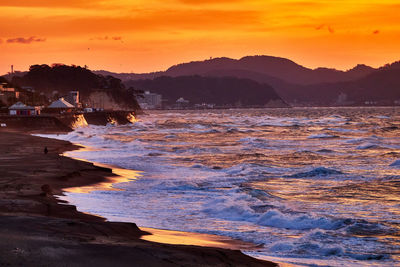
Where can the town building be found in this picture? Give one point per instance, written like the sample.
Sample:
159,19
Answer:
8,94
60,106
20,109
73,98
181,103
150,100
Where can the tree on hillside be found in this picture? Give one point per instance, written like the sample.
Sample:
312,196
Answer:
63,78
222,91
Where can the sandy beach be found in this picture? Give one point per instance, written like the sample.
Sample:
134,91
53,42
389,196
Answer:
37,229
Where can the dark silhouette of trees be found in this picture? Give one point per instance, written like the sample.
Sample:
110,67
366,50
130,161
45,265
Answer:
63,78
226,91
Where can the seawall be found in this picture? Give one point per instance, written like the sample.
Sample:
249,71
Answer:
64,122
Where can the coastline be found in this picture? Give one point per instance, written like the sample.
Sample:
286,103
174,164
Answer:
121,175
43,230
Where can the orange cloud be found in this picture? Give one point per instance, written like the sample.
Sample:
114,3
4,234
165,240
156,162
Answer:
22,40
105,38
200,2
49,3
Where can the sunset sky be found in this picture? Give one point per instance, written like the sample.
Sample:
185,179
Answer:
151,35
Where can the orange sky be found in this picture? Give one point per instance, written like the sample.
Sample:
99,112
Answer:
151,35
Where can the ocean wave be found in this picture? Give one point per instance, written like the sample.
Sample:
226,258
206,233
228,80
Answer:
323,135
325,151
317,172
396,163
369,146
246,195
344,130
198,150
243,208
365,228
277,219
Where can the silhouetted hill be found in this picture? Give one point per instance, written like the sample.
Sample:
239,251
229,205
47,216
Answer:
360,70
382,87
9,75
299,85
281,68
129,76
63,78
222,91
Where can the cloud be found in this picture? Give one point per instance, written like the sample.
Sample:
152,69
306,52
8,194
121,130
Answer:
22,40
200,2
50,3
323,26
106,38
99,38
376,32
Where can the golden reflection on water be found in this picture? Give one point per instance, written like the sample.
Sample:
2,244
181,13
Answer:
120,175
194,239
107,185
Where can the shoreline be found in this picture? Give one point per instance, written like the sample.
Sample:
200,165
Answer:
165,236
40,229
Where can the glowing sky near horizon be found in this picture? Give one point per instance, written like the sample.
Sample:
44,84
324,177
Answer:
151,35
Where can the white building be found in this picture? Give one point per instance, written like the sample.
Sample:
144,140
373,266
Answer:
181,103
20,108
150,101
60,106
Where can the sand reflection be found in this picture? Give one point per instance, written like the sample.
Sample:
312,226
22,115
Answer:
194,239
119,175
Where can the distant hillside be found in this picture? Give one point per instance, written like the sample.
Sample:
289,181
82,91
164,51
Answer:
294,83
222,91
130,76
381,87
280,68
63,78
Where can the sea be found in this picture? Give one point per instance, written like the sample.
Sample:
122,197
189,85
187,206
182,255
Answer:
307,186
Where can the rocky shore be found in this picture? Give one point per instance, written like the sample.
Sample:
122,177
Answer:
37,229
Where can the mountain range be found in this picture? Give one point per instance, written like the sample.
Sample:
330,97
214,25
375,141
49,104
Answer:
268,66
296,84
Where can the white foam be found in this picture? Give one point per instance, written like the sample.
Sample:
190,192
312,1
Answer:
253,198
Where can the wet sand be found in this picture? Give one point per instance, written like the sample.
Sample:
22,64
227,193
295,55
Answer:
37,229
